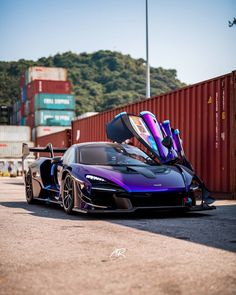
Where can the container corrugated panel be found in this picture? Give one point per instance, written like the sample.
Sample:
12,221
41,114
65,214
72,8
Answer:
53,118
30,120
16,106
47,86
205,115
15,133
10,149
59,139
23,94
23,121
46,130
45,73
49,101
18,117
22,109
22,80
86,115
27,108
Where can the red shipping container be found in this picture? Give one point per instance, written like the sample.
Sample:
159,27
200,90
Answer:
59,139
31,105
205,115
47,86
30,120
22,80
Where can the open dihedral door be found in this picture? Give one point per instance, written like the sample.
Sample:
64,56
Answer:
149,133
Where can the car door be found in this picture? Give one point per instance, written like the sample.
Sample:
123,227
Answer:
149,132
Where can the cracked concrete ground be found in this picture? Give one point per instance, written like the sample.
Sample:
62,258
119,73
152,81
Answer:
45,251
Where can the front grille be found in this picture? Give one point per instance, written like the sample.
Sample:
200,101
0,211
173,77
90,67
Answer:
156,199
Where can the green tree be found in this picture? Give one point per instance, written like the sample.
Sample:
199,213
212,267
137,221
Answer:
101,80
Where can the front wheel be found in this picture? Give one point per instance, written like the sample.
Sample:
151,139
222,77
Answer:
68,194
28,188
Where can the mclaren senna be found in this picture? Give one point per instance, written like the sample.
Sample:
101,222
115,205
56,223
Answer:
117,176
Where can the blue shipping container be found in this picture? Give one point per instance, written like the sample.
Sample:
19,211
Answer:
53,118
49,101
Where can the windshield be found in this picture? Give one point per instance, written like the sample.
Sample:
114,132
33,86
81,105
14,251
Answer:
117,155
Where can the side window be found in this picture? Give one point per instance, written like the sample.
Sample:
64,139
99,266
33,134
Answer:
69,156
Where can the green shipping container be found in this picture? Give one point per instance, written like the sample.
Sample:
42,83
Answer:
49,101
53,118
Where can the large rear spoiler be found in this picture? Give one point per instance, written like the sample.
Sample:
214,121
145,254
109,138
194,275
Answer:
48,149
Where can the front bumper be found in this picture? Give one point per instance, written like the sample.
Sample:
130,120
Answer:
196,208
112,201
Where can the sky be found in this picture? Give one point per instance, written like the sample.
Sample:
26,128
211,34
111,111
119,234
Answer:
191,36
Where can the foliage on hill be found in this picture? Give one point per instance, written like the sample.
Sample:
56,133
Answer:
101,80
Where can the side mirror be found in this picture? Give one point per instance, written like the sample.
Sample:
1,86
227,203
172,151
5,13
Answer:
167,142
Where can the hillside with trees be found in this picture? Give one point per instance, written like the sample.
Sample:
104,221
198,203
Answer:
101,80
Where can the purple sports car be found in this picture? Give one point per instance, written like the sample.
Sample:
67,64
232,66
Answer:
117,176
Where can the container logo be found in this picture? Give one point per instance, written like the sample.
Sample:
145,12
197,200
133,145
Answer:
56,101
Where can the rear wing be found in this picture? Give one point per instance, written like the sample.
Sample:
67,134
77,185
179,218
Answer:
48,149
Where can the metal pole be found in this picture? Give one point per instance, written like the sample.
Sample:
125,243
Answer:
147,57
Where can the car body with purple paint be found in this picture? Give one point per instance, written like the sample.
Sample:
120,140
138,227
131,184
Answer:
116,176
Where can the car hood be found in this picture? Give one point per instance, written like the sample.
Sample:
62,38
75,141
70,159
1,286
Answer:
139,178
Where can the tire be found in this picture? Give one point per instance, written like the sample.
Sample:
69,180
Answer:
28,188
68,194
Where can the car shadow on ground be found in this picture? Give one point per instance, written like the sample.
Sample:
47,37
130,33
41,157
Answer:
15,183
215,228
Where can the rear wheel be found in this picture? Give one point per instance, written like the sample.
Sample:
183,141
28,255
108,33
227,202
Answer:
68,194
28,188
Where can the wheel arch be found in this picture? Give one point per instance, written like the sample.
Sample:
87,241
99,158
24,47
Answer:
65,172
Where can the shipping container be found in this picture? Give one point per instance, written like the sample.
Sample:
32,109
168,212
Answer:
23,94
22,80
53,118
13,119
30,120
16,106
59,139
205,114
86,115
46,130
15,133
45,73
10,149
18,117
22,109
47,86
27,108
49,101
5,113
23,121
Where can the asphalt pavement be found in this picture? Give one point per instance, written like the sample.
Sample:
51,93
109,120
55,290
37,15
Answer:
44,251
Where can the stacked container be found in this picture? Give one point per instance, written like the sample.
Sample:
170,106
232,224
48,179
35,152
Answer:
5,112
11,139
61,139
205,114
46,100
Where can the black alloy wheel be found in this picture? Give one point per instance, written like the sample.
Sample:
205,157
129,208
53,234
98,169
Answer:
28,188
68,194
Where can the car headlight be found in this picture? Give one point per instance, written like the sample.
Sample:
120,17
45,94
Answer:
94,178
